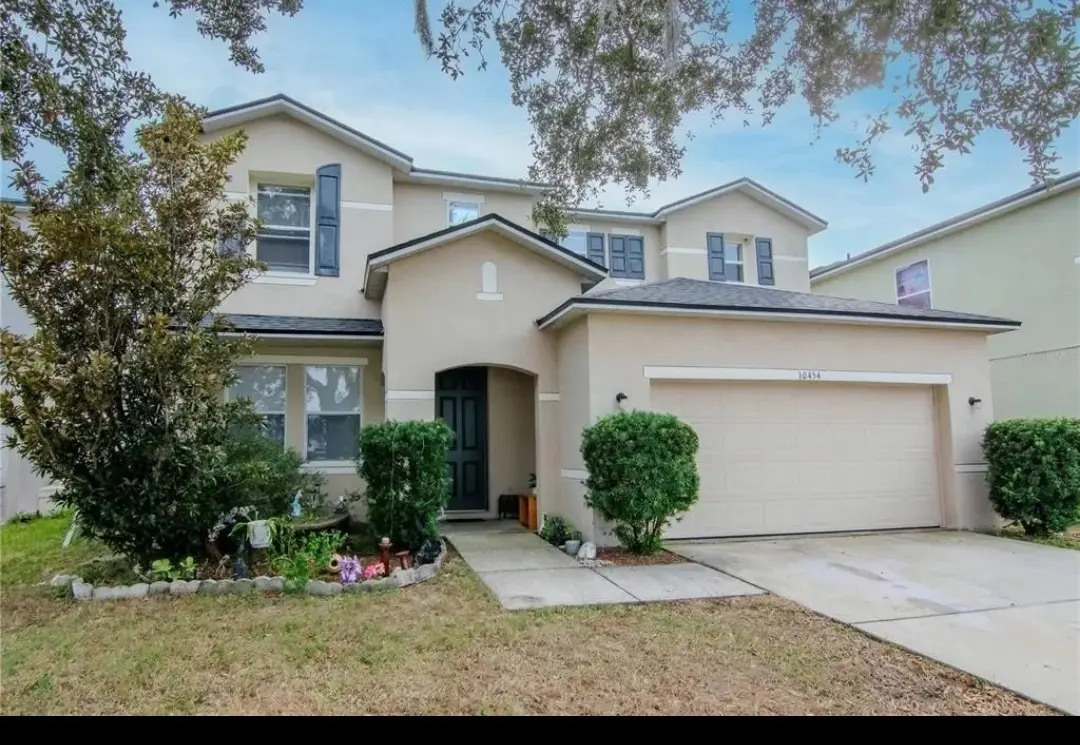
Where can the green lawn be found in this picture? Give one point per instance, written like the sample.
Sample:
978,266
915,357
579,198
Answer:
442,647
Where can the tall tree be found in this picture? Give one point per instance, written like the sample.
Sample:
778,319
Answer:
117,392
608,83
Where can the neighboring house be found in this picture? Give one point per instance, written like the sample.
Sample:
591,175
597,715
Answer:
21,490
397,292
1018,257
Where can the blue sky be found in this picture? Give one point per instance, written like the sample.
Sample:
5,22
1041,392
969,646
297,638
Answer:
358,61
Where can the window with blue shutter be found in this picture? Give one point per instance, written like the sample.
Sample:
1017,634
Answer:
763,248
635,257
715,250
594,243
618,262
328,220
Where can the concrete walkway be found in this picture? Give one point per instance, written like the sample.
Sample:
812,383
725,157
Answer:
526,572
1004,610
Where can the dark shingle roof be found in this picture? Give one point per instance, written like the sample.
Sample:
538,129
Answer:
695,294
300,325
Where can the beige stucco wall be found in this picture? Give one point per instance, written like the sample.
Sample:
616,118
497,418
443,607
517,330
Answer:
621,345
421,209
1025,266
735,214
511,400
283,150
574,416
435,322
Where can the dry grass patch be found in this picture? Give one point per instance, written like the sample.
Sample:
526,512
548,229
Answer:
1070,538
447,647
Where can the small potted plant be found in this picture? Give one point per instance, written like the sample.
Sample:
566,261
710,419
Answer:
532,484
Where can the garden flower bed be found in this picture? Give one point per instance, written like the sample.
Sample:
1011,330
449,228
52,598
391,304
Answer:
356,575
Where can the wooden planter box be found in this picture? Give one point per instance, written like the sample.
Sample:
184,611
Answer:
527,511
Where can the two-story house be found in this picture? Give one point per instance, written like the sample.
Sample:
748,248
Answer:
1017,257
398,292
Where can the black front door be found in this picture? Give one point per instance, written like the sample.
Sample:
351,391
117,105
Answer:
461,401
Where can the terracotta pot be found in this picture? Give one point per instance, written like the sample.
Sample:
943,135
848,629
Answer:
335,564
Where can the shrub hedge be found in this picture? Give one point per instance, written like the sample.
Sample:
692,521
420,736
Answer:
1034,472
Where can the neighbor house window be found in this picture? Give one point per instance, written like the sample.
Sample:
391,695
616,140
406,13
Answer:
458,212
265,387
333,403
284,241
913,285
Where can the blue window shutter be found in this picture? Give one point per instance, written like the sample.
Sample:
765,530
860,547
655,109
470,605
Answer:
595,248
763,249
716,256
328,220
617,249
635,257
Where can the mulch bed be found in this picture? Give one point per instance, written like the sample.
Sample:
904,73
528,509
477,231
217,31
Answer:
621,557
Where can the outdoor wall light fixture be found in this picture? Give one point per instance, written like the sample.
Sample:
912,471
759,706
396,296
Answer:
974,402
620,397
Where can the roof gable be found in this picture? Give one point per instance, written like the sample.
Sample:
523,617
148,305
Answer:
375,271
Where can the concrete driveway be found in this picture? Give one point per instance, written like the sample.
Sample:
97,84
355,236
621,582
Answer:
1004,610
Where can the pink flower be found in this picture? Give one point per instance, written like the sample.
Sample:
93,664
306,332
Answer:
371,571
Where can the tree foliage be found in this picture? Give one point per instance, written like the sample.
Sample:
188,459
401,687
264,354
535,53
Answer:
607,84
117,392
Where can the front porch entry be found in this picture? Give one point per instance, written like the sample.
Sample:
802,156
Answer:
491,410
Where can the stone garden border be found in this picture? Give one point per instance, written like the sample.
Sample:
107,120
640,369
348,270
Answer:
398,578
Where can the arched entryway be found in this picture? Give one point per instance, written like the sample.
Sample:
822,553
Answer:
492,410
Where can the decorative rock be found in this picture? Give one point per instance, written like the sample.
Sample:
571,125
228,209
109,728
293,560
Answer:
179,587
270,584
62,580
136,591
81,590
106,593
386,583
335,588
318,587
243,586
425,572
223,587
208,587
357,587
159,588
405,577
587,551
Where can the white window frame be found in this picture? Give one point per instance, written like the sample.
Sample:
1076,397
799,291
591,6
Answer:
451,203
584,232
929,291
741,263
284,414
291,182
338,466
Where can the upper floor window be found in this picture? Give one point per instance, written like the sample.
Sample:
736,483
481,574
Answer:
284,240
265,386
913,285
725,258
733,260
458,212
576,240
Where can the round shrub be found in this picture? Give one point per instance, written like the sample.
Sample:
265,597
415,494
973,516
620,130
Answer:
404,465
642,474
1034,472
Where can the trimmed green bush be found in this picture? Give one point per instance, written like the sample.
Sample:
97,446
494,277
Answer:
558,530
404,465
1034,472
642,474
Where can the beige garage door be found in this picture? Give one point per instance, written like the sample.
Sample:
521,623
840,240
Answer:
805,458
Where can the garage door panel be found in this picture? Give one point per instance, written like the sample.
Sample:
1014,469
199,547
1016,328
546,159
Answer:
789,458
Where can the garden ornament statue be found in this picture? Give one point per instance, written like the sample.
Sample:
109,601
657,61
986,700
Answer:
296,508
384,554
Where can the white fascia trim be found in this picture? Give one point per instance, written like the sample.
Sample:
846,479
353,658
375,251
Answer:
368,206
489,296
682,250
575,473
657,372
628,282
248,113
491,224
948,228
306,337
548,397
302,359
765,316
469,181
971,467
410,395
638,218
300,280
331,468
454,196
